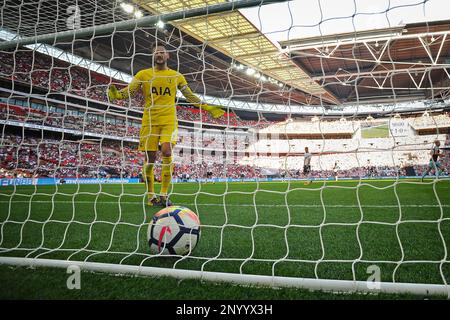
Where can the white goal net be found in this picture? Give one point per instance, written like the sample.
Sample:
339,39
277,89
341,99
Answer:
328,169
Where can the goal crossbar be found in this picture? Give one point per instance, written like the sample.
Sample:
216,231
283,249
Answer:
366,287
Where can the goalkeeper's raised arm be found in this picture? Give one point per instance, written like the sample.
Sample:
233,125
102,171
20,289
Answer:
215,112
130,90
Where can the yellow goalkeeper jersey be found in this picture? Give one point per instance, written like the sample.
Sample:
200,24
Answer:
159,88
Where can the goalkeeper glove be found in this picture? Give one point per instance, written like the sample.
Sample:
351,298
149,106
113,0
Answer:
215,112
113,94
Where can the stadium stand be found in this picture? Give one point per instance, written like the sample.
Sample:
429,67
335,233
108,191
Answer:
266,145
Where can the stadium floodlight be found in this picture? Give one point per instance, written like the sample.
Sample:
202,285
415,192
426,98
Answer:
160,24
128,8
250,71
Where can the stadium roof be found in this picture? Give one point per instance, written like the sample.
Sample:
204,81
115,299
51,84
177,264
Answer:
233,35
409,62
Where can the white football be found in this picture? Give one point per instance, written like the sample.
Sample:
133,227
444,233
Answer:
173,230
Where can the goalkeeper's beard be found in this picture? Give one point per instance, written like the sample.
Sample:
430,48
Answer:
161,64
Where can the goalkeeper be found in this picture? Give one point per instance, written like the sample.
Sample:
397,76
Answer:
159,121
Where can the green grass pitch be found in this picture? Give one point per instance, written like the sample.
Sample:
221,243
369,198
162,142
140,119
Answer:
381,131
331,230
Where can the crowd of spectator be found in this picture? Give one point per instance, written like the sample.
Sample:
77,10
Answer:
32,157
38,157
217,170
64,121
230,119
63,158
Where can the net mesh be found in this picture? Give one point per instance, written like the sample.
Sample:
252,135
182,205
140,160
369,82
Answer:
69,159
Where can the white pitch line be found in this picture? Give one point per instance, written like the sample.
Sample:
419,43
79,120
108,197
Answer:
244,205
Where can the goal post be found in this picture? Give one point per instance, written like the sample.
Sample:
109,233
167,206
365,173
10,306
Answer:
328,170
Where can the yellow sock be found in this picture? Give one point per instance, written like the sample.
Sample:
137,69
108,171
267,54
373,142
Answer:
166,174
149,178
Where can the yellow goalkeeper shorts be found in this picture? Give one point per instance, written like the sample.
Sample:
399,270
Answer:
151,136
